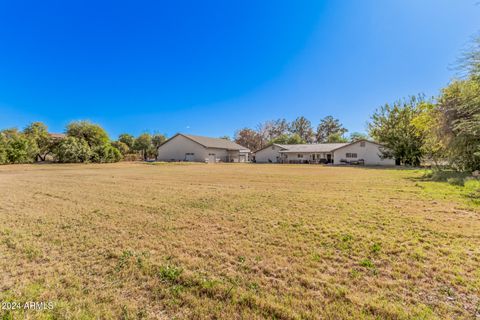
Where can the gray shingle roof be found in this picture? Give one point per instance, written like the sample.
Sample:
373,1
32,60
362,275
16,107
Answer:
215,142
317,147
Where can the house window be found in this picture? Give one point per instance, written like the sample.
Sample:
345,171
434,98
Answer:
299,155
189,154
362,144
351,155
211,154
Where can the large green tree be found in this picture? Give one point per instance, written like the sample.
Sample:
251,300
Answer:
392,126
303,127
37,132
459,108
289,139
17,148
92,133
330,130
427,125
356,136
95,137
143,143
73,150
127,139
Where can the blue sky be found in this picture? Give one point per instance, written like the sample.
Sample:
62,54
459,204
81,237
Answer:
211,67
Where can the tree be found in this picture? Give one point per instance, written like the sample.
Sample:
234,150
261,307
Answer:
38,133
157,140
143,143
392,126
73,149
427,125
356,136
330,130
17,148
270,130
3,149
336,138
127,139
105,153
303,127
459,108
93,134
250,139
470,61
288,139
122,147
100,148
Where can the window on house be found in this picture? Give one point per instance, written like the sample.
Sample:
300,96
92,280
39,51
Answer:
299,155
362,144
211,154
189,154
351,155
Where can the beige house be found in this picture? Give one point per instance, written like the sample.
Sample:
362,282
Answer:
359,152
186,147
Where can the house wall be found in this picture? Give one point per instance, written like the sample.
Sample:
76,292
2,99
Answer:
294,156
176,148
271,153
220,154
370,153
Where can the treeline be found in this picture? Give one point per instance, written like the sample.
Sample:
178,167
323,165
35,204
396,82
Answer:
444,130
299,131
83,142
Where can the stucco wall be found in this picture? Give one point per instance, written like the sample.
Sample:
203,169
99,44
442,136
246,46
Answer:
370,153
176,148
271,153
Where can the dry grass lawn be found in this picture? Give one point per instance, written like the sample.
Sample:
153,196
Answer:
233,241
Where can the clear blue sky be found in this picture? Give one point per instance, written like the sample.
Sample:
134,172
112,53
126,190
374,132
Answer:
210,67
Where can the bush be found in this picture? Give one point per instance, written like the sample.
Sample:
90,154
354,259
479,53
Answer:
74,150
20,150
105,153
3,150
456,181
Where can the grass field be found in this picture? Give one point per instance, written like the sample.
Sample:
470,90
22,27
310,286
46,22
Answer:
233,241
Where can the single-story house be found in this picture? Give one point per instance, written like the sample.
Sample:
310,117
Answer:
187,147
358,152
57,136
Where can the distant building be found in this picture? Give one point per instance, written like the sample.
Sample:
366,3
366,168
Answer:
359,152
57,135
186,147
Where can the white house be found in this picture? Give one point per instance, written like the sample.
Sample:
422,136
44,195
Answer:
186,147
359,152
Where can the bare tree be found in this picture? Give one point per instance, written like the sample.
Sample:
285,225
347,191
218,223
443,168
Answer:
249,138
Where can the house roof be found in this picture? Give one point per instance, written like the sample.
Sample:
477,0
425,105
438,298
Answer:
316,147
57,135
216,143
282,146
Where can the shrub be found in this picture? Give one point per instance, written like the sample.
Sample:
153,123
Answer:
456,181
19,149
105,153
74,150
